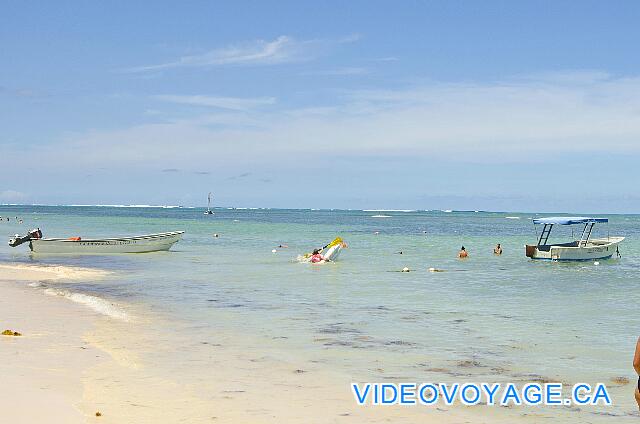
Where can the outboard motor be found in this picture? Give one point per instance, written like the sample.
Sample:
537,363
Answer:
17,240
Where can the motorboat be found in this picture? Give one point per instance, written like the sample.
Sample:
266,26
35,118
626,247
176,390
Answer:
78,245
583,249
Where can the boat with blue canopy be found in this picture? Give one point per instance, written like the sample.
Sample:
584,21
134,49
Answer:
583,249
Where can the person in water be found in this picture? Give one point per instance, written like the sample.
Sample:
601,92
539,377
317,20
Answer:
497,250
462,253
316,256
636,366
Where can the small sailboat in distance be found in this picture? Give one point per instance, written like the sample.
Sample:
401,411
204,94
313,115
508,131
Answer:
209,211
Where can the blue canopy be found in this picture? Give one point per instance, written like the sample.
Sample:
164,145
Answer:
568,220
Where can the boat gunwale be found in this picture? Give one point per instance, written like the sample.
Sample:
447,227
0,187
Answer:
141,237
607,242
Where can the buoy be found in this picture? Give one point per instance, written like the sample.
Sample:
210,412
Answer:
596,263
273,251
376,232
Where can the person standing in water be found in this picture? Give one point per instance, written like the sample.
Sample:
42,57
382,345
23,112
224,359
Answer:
636,366
317,257
497,250
462,254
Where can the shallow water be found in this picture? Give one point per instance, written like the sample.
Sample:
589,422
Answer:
486,318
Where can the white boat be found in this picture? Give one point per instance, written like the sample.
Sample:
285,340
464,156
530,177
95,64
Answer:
77,245
209,211
583,249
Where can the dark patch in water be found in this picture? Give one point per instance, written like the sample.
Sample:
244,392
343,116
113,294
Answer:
399,343
535,378
470,363
499,370
459,321
409,318
338,328
620,380
338,343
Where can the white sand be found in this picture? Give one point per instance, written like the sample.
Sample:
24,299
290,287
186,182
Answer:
73,360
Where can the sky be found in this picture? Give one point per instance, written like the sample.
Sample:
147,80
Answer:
493,105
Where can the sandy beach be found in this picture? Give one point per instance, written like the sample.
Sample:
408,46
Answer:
42,370
73,361
79,355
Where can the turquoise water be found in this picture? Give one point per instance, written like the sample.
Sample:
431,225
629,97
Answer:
487,318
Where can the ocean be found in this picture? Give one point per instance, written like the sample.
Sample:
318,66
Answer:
484,319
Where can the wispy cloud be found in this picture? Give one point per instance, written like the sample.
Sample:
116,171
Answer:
515,118
22,92
12,196
345,71
259,52
240,176
387,59
232,103
351,38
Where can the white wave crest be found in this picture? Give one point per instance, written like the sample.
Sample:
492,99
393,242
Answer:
95,303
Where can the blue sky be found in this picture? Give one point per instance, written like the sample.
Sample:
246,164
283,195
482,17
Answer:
450,105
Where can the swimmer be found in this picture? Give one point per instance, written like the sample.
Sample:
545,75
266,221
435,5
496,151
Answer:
462,254
216,235
399,253
316,257
435,270
283,246
497,250
405,269
636,366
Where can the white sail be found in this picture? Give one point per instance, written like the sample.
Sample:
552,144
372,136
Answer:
209,212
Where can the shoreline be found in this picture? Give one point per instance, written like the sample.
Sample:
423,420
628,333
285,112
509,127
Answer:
42,370
73,361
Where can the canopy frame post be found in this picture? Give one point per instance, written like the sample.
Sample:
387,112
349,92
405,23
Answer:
544,235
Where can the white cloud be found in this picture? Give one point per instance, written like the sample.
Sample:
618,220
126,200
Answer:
12,196
232,103
259,52
346,71
515,119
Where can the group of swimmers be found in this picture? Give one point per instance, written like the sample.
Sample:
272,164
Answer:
462,254
7,219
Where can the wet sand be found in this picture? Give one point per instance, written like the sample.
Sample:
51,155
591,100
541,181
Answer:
73,361
42,370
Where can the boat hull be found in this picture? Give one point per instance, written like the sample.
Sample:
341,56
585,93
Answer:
595,249
139,244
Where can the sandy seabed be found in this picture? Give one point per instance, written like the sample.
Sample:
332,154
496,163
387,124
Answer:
73,361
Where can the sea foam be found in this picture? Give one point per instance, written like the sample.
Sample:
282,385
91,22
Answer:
97,304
